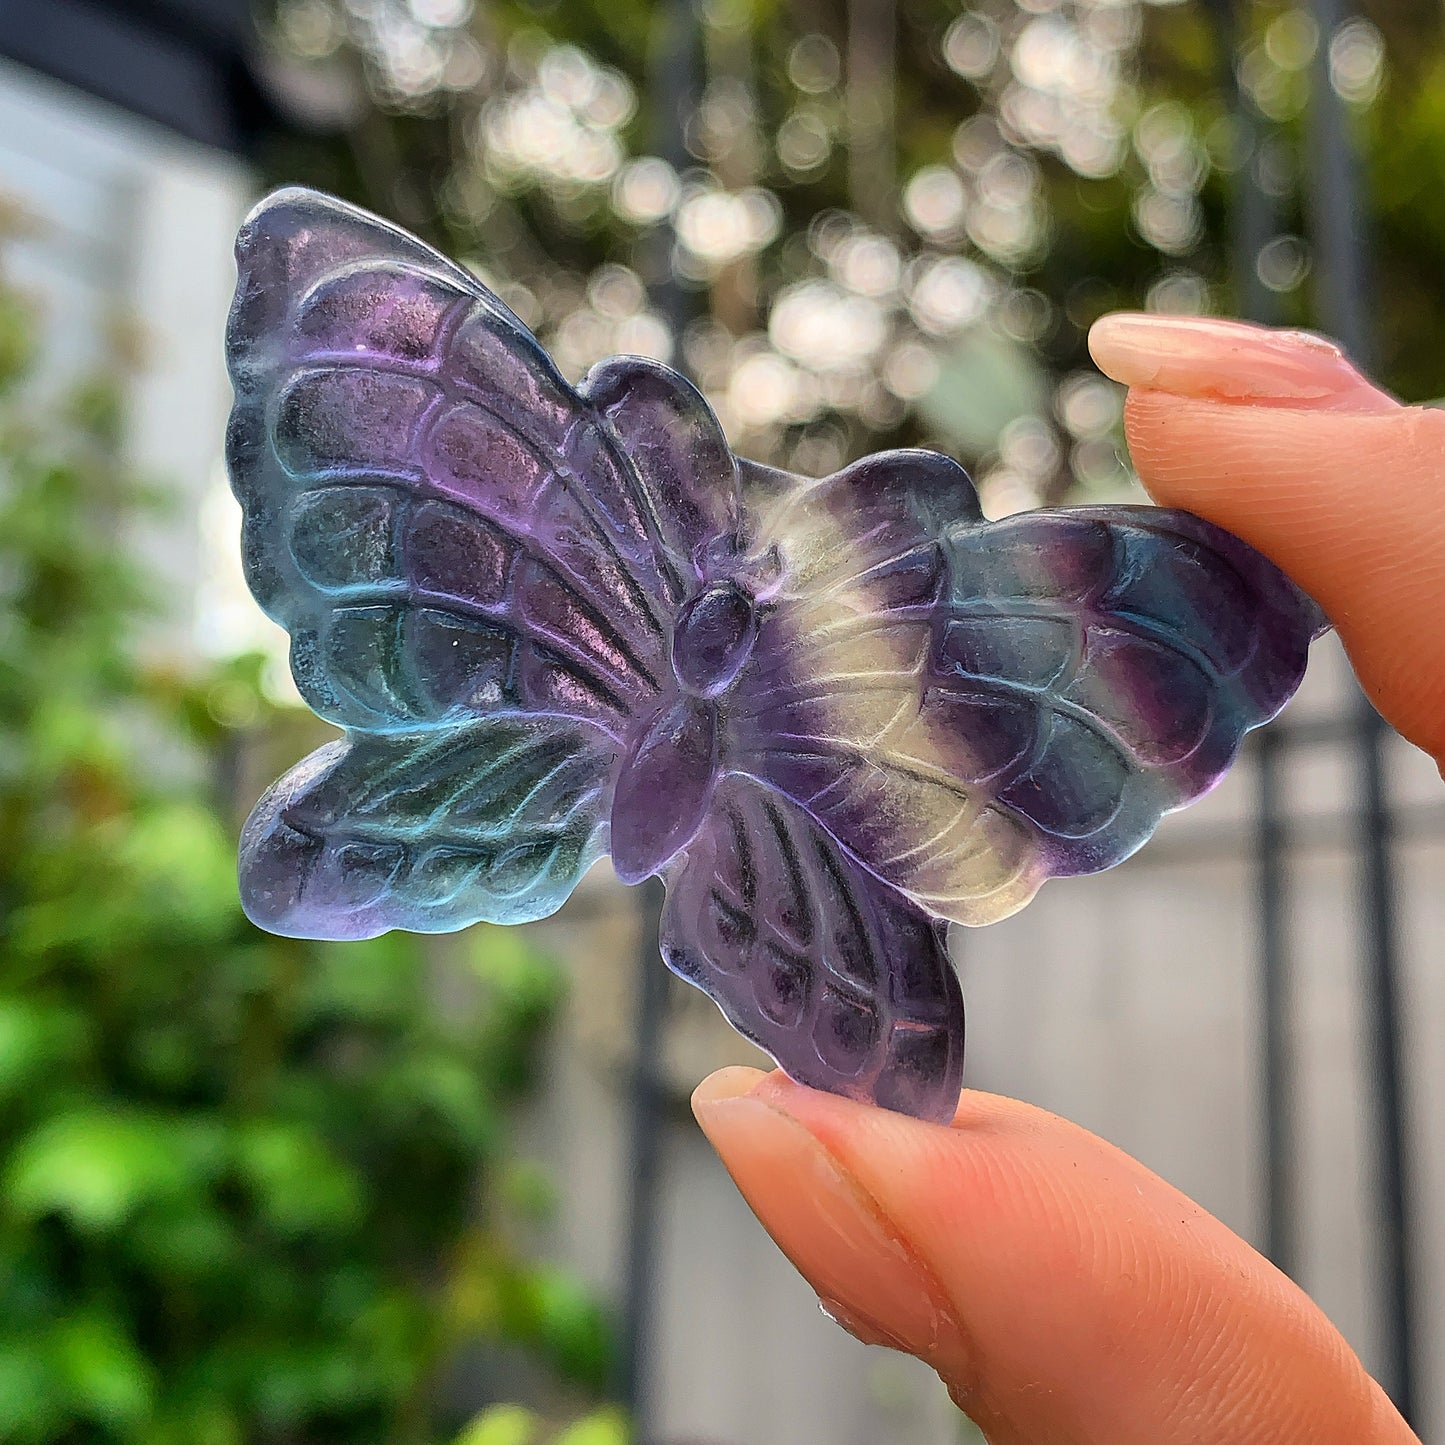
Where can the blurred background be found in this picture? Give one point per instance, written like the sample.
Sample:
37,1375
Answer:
425,1191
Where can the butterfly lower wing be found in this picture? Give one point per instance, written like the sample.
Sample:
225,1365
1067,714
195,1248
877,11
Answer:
442,524
492,822
840,977
974,707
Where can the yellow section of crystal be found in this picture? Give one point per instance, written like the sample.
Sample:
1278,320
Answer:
949,846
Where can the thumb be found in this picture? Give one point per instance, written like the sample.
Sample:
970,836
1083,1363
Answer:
1066,1295
1276,437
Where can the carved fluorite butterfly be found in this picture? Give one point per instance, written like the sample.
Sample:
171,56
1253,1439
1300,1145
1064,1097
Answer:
555,623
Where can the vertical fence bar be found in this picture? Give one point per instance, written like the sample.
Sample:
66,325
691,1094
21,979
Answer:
1277,1064
673,85
870,103
1252,223
1271,842
1382,974
644,1156
1337,234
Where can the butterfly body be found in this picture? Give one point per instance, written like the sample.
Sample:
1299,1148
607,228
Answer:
713,638
833,715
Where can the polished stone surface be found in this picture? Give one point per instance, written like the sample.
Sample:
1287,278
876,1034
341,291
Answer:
834,715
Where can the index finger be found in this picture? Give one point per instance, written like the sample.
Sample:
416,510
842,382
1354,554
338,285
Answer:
1276,437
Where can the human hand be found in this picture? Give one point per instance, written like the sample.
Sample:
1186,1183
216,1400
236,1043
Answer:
1065,1294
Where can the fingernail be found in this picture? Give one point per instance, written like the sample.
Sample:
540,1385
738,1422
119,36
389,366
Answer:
730,1083
1229,360
866,1276
866,1332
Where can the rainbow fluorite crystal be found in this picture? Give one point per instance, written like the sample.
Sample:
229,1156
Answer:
833,715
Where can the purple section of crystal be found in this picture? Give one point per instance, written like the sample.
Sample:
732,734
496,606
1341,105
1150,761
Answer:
556,622
664,788
815,959
712,638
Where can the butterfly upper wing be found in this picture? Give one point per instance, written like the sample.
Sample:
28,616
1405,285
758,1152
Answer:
459,544
840,977
1154,639
973,707
414,471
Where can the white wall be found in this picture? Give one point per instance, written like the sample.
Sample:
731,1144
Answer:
127,250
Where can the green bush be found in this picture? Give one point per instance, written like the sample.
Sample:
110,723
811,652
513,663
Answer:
248,1185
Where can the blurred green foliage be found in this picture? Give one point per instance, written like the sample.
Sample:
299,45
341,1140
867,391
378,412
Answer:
514,1425
251,1189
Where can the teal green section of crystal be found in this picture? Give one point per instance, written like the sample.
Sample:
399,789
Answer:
495,821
